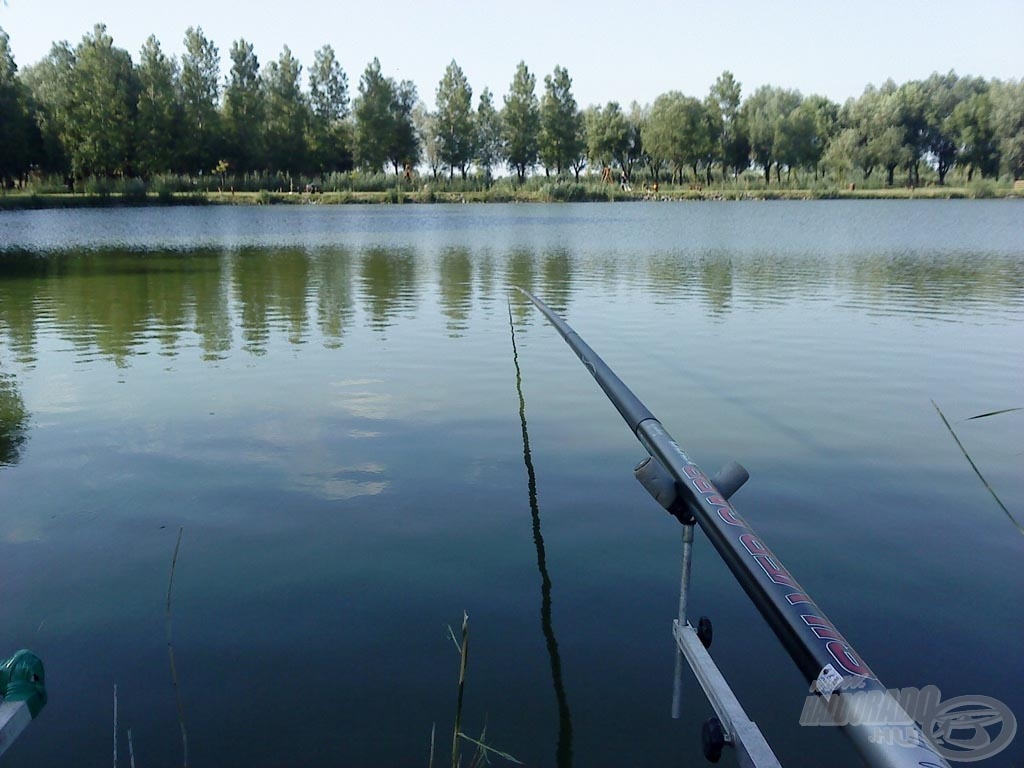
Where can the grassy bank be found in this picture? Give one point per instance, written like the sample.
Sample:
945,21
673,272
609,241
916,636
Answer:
544,194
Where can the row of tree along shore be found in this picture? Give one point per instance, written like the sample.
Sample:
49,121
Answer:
89,119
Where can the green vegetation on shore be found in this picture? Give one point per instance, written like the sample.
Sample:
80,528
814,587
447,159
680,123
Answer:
90,119
500,194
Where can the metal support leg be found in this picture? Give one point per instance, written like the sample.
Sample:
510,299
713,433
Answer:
684,588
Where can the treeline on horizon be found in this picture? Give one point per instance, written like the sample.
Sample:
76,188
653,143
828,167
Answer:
91,112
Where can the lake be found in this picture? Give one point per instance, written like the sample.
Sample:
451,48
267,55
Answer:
323,402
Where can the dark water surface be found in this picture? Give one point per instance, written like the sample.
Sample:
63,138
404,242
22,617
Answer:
325,399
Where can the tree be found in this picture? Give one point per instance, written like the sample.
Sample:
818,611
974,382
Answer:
374,117
803,134
765,114
329,99
521,118
200,93
101,107
841,156
158,122
426,128
244,110
15,122
49,87
403,149
614,137
578,159
1008,123
677,132
560,139
943,93
974,132
732,145
454,120
906,108
287,115
488,134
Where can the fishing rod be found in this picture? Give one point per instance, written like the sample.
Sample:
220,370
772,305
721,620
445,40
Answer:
838,676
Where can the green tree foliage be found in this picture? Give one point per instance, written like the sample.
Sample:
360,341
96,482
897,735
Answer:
330,139
613,137
767,115
403,148
561,140
48,83
159,116
101,107
973,129
1008,122
374,117
488,134
677,132
943,93
430,141
455,124
288,115
732,144
16,125
521,122
88,111
244,113
200,94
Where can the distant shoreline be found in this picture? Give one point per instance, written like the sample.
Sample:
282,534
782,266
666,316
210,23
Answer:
41,201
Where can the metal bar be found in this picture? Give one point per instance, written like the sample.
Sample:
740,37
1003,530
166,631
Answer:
750,745
14,718
684,590
819,650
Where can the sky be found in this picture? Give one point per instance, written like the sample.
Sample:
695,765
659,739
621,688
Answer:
613,51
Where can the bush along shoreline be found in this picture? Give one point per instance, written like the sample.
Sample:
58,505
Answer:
553,193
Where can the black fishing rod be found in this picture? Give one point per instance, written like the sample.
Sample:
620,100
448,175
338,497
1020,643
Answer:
836,672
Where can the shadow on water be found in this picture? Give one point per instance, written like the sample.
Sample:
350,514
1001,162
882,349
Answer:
13,422
563,753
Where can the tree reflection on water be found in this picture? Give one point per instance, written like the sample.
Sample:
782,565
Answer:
13,422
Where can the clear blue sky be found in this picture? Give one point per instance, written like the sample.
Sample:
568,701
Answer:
613,51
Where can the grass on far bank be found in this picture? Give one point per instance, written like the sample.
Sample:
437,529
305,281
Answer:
558,191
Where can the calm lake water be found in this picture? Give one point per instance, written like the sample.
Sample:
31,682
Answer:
324,400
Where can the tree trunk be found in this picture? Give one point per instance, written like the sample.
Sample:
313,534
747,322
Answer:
891,170
767,174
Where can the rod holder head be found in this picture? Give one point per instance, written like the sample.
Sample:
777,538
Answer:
662,486
730,478
22,679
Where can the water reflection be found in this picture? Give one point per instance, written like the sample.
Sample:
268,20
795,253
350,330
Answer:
13,421
456,271
716,283
271,286
556,277
119,303
388,279
563,751
335,306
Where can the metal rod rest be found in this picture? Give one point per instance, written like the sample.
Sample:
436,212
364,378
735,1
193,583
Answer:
812,641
